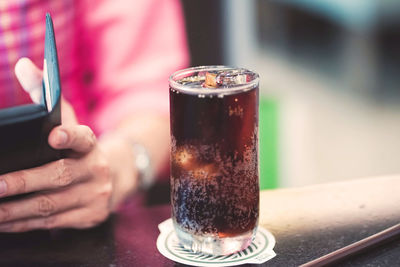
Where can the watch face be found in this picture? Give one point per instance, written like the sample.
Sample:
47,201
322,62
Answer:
143,165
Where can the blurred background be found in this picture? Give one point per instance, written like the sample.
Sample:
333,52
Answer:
330,81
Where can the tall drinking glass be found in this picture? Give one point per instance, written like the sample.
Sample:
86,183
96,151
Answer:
214,158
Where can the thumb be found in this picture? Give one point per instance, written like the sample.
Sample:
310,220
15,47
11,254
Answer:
30,77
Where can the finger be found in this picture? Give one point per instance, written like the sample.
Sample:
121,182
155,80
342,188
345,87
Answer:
30,77
79,138
68,116
42,205
57,174
77,218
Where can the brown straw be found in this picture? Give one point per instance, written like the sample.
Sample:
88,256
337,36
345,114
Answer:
352,249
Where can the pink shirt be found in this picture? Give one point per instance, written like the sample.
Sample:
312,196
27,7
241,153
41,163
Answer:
115,56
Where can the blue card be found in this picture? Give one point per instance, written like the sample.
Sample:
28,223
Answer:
51,75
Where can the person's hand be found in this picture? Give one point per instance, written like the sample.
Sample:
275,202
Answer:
72,192
30,78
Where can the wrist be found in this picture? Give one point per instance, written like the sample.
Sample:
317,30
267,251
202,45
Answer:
135,158
123,171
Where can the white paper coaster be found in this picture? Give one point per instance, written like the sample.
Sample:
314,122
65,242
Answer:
260,250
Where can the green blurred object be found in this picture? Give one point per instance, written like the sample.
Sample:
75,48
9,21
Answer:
268,138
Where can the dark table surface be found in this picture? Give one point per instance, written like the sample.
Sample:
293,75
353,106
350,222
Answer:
307,223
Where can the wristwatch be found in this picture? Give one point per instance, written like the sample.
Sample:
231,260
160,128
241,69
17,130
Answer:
142,161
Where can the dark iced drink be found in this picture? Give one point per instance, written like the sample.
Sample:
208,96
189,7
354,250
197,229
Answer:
214,158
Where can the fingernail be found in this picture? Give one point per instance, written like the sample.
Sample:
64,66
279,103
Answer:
62,137
3,187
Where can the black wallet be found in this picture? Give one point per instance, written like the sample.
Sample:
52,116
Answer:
24,129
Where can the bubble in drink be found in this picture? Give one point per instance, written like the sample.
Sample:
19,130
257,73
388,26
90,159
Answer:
214,159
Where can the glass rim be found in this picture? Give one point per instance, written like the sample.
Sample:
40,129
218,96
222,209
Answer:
212,91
